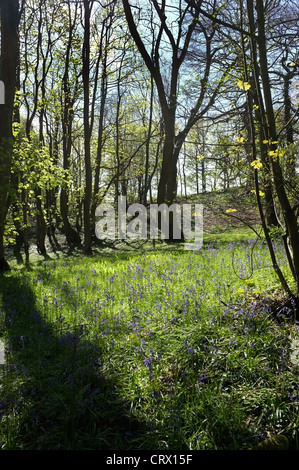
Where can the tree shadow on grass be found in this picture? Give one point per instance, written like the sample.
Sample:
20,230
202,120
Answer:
54,394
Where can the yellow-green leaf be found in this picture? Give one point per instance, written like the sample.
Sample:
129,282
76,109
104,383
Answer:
257,164
243,85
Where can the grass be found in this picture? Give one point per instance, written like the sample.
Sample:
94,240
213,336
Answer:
149,349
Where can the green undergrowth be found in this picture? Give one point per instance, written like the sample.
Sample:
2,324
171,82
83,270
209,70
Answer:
149,349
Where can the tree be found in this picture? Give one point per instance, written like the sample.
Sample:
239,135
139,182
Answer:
87,128
8,68
104,47
256,27
270,134
174,45
69,95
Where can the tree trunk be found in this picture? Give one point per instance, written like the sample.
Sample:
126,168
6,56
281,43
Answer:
203,178
71,235
100,144
8,68
103,54
41,226
87,155
147,147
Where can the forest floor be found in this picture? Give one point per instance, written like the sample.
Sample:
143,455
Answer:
156,348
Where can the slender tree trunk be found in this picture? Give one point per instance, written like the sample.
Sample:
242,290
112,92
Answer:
87,136
100,143
147,147
41,224
71,234
118,154
53,214
184,176
203,176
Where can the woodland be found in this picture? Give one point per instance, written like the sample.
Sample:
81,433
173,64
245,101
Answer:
163,102
149,100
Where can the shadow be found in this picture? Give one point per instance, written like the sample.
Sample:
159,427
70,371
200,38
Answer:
54,393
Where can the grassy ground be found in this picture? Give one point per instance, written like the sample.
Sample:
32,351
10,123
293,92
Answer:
149,349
